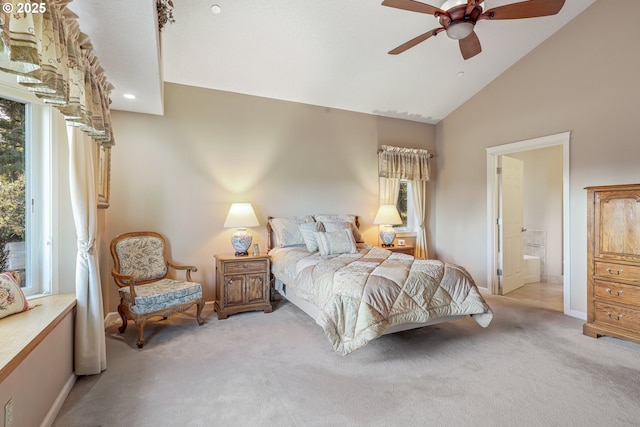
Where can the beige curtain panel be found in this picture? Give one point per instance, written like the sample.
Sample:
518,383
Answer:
54,59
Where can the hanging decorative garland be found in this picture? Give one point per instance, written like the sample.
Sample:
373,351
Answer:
165,13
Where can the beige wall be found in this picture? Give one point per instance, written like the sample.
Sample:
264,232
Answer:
581,80
179,173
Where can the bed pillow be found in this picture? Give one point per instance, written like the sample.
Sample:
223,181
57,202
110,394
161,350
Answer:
336,242
12,299
308,230
351,219
286,230
335,226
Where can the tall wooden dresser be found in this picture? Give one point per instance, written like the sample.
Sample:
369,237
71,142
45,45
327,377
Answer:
613,270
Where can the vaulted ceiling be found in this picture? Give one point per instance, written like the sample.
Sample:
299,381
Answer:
331,53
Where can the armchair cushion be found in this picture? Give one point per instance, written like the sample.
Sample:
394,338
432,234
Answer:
142,257
160,295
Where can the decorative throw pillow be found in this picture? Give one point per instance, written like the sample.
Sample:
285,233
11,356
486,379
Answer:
335,226
342,218
12,299
308,230
336,242
286,230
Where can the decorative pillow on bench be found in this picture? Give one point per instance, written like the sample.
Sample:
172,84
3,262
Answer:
12,299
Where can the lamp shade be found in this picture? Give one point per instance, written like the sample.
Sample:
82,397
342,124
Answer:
387,215
241,215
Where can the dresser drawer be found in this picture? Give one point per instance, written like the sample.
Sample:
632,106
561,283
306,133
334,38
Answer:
617,316
615,271
240,267
617,293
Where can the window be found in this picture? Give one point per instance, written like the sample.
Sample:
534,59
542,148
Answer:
24,205
405,207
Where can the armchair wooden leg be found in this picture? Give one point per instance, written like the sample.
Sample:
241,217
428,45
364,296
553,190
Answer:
199,312
140,325
123,316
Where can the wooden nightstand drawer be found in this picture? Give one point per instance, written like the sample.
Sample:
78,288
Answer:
613,271
255,266
617,293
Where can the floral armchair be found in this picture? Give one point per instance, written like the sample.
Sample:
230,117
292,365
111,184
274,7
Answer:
140,271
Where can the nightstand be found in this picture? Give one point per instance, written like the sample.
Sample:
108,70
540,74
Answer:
405,249
242,284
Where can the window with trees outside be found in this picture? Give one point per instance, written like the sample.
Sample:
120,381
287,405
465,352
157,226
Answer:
13,187
23,194
405,207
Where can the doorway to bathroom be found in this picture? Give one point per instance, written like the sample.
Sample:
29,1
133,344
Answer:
527,192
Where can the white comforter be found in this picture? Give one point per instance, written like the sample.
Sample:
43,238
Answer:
360,295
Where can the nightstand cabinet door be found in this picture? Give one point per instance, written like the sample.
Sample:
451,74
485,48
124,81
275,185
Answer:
242,284
233,290
257,291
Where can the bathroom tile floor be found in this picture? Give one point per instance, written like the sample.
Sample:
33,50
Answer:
544,295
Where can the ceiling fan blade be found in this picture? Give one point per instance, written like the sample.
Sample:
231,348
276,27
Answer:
411,43
524,9
414,6
470,46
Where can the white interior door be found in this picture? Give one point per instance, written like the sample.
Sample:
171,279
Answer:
511,213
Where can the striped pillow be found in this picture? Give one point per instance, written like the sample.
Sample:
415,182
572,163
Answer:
336,242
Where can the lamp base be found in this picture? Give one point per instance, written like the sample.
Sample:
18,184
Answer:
387,235
387,246
241,241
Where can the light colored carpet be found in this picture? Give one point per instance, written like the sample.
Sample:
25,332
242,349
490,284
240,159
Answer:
530,367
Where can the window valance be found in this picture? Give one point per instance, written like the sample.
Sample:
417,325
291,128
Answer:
403,163
42,44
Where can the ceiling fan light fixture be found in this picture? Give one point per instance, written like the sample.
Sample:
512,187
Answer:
460,30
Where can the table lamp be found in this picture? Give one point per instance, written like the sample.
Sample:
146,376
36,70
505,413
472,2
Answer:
241,216
387,216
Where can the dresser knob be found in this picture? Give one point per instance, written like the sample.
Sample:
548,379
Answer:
617,273
618,293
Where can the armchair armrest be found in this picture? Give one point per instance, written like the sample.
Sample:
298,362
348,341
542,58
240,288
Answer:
188,268
130,280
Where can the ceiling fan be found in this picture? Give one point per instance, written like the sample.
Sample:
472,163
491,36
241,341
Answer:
458,18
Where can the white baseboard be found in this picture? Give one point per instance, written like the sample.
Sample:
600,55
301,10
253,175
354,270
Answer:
111,319
57,404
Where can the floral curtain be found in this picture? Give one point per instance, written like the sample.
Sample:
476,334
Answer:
41,43
396,163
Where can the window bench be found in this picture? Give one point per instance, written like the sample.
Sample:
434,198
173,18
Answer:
36,359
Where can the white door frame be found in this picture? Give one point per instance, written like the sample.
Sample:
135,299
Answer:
562,139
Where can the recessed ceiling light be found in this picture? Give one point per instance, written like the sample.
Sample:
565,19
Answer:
460,73
129,96
216,9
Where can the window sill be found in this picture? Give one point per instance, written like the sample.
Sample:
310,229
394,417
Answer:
405,233
21,333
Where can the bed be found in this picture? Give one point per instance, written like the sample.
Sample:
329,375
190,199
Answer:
357,292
